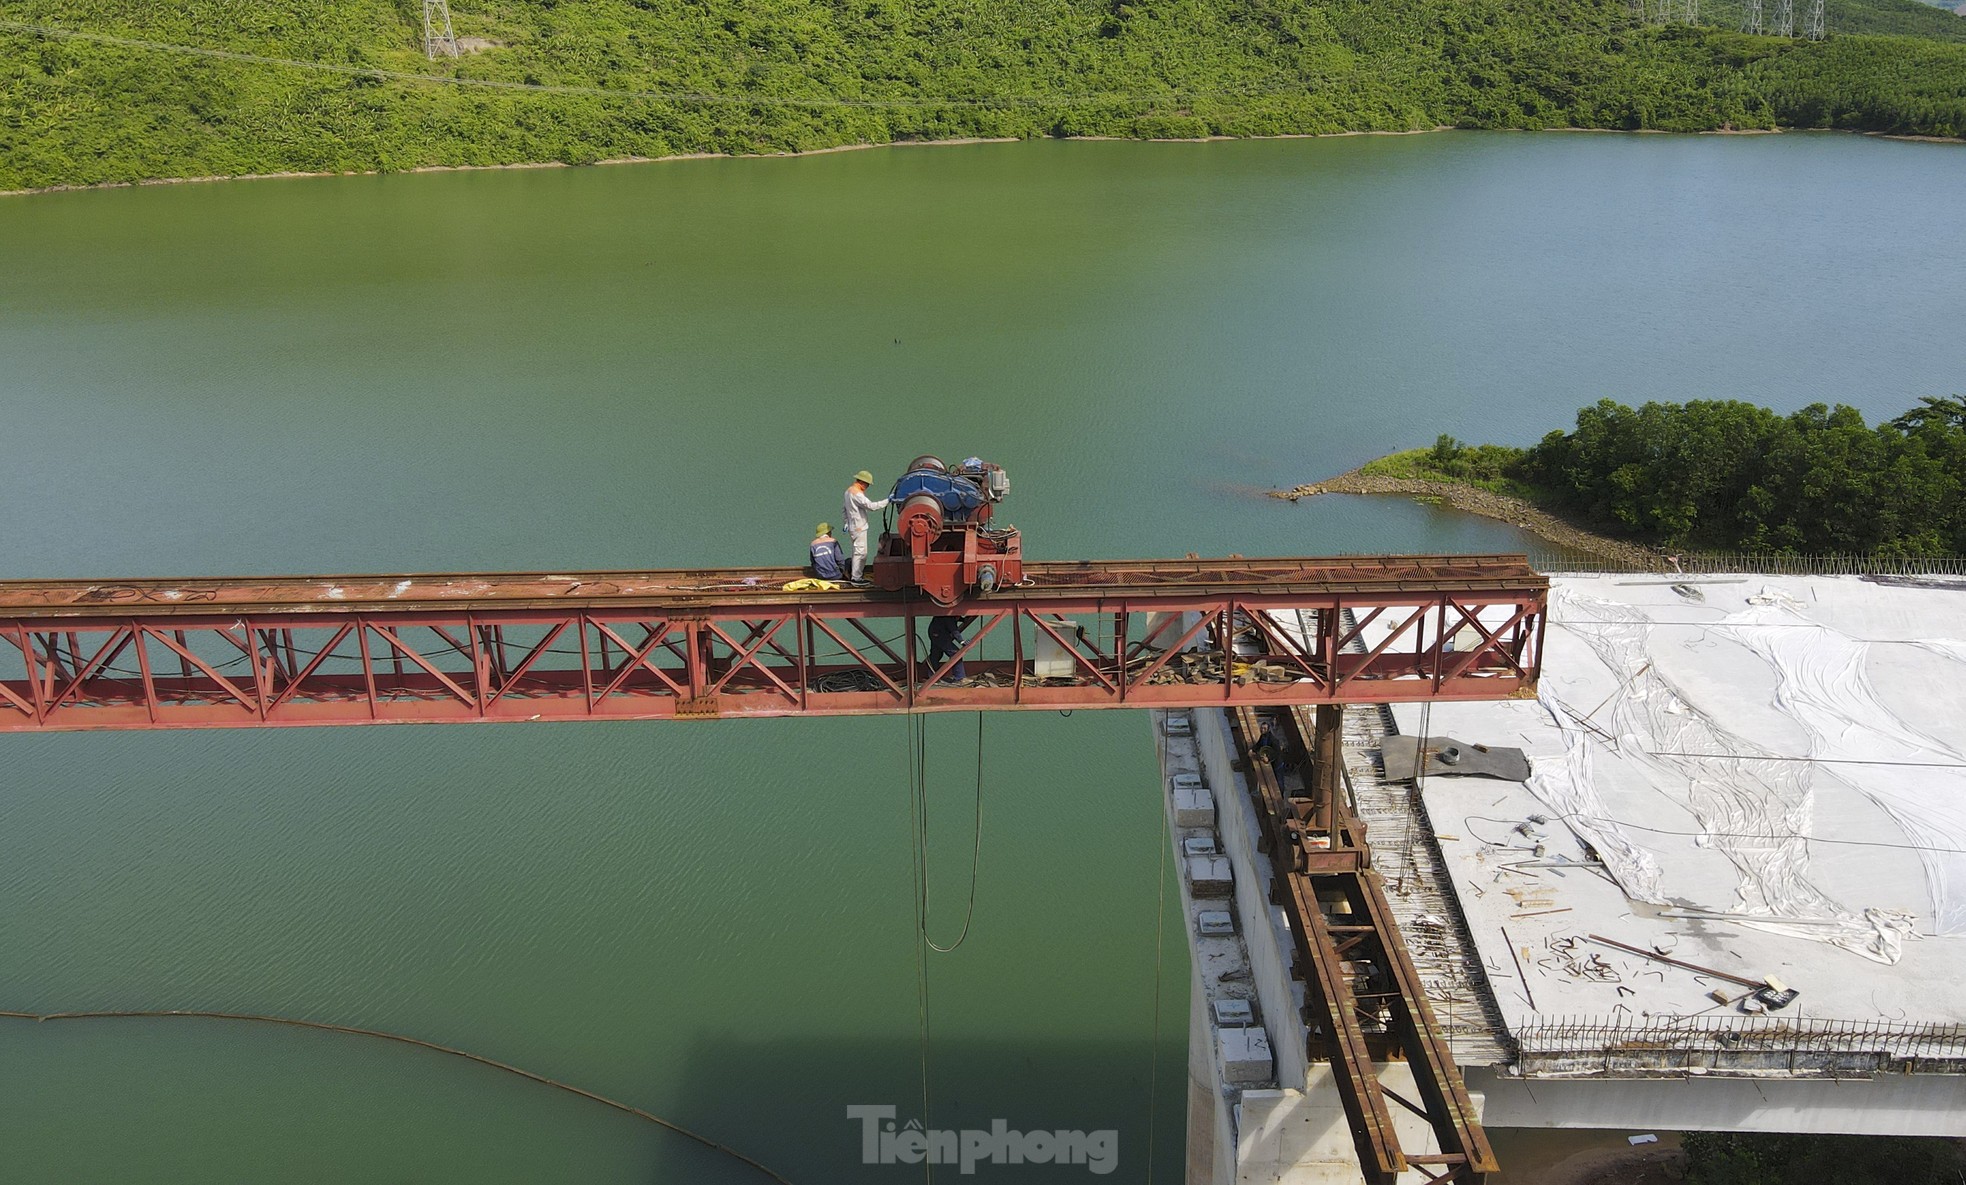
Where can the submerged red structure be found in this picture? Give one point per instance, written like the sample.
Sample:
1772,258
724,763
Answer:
470,647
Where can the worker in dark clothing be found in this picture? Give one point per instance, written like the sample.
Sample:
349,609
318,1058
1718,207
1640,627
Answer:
945,638
1268,746
828,561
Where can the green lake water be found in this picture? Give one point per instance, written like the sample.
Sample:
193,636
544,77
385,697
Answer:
678,365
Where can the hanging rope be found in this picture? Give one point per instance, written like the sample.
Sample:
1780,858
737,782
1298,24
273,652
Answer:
917,757
420,1043
1419,790
1153,1035
975,851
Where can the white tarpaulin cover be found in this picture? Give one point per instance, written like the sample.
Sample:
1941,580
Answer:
1751,773
1754,799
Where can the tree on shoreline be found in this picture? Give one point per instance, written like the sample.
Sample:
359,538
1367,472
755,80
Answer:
1732,476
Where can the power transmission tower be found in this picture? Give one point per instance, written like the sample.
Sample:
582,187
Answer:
1815,30
438,37
1784,18
1751,20
1692,14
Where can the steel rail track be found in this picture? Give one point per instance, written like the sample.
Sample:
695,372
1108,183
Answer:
691,587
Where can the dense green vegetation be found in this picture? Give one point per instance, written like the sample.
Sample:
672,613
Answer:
761,75
1737,1158
1731,476
1484,466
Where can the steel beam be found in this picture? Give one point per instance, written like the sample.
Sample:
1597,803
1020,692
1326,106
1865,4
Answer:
1321,875
473,647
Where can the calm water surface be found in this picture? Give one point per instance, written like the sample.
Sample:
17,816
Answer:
678,365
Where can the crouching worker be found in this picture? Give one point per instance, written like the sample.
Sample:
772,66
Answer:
828,561
945,638
1270,748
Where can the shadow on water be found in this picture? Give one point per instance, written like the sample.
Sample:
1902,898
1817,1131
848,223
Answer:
796,1097
247,1102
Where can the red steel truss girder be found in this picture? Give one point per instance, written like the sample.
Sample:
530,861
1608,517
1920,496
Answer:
72,658
722,587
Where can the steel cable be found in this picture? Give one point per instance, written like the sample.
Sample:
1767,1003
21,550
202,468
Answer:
697,98
420,1043
917,758
1305,83
916,755
1153,1037
975,852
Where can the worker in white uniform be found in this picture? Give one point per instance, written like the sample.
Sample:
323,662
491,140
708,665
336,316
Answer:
854,514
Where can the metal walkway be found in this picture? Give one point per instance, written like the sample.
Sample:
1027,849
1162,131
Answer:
468,647
1409,862
1366,1002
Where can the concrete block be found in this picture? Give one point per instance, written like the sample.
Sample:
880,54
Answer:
1233,1014
1246,1055
1200,845
1210,876
1179,724
1194,804
1215,923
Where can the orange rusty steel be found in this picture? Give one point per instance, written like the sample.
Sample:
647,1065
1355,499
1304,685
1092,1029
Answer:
1344,935
466,647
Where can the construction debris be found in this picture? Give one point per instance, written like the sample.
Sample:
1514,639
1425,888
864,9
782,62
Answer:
1770,992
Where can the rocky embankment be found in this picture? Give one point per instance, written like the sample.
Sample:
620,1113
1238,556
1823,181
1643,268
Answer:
1501,507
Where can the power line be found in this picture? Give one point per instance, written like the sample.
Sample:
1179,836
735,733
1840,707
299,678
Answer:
1723,623
1301,85
1853,843
747,99
1809,760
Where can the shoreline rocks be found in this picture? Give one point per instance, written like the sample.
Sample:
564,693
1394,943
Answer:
1500,507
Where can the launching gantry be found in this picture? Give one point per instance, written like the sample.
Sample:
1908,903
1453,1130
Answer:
457,648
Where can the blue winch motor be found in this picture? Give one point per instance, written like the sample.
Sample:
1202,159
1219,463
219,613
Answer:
939,539
959,495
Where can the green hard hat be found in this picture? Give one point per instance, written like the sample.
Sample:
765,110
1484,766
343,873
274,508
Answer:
865,476
823,529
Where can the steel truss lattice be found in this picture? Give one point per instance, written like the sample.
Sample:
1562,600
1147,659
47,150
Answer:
439,39
665,645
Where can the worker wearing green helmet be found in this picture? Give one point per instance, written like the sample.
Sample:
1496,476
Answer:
827,562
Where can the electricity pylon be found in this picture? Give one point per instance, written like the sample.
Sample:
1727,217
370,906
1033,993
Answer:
438,37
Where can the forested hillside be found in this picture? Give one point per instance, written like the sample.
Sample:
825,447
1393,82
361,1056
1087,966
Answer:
1731,476
584,80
